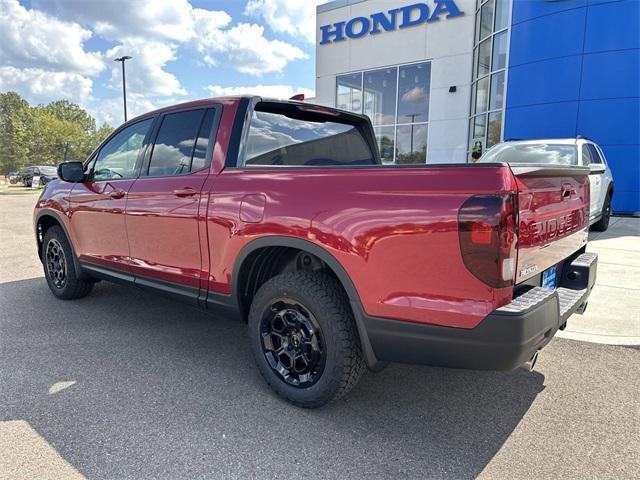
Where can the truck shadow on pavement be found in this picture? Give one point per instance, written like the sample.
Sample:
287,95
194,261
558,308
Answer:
163,390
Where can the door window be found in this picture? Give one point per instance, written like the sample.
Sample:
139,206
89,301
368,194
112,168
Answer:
175,145
117,158
587,159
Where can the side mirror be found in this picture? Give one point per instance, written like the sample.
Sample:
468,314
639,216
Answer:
71,172
595,168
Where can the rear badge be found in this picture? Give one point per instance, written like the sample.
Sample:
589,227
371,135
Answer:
528,270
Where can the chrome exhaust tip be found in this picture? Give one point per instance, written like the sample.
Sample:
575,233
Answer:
532,361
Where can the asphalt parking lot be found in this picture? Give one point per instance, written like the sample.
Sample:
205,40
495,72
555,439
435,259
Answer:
163,391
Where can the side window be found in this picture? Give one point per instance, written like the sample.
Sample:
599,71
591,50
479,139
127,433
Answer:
175,146
291,139
587,159
202,143
594,153
117,158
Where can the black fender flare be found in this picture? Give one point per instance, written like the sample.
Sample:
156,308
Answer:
56,216
314,249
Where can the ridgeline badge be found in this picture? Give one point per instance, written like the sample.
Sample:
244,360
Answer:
379,22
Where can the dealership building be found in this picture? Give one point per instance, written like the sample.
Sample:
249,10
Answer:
443,78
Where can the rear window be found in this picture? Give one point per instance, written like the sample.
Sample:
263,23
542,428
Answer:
531,153
286,135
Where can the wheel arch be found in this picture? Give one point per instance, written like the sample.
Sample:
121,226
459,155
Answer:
45,219
332,264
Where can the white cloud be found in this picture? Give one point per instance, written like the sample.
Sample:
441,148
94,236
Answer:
29,38
42,86
111,110
244,45
296,18
119,20
145,72
270,91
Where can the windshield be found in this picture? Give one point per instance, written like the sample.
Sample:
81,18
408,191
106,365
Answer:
48,170
532,153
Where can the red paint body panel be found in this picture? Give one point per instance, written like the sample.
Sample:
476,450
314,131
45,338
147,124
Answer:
394,230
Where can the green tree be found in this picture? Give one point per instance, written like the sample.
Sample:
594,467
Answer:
14,123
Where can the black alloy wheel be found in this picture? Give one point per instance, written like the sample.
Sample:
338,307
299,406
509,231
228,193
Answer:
292,343
56,263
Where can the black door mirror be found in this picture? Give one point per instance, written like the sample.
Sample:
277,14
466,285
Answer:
71,172
595,168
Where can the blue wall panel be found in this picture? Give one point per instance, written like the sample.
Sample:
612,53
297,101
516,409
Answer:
614,121
528,9
550,120
574,69
611,74
547,37
556,80
613,26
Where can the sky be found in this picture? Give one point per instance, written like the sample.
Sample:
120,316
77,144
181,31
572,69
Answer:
182,50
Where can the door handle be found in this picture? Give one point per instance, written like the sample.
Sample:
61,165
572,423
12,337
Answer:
185,192
117,193
568,190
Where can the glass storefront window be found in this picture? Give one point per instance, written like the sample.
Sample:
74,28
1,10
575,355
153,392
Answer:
494,129
486,19
496,99
412,144
499,59
484,60
380,96
349,92
482,94
413,93
479,126
502,14
385,137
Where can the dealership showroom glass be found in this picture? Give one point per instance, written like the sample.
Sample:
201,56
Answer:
440,77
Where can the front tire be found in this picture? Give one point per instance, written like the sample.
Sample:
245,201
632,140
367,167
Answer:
603,224
59,268
304,339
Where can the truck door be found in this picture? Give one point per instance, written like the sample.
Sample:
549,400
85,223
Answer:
595,180
164,203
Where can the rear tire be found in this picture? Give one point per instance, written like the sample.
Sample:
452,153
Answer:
603,224
59,267
304,339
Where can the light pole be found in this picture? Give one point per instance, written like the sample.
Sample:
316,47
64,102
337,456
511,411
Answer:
124,83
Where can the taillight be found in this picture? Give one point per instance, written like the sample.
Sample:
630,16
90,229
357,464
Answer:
487,231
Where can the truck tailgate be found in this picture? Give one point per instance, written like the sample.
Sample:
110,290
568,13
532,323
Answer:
553,204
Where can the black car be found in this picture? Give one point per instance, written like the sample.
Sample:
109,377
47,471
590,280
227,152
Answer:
45,172
12,177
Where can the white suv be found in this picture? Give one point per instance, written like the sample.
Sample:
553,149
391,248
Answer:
579,151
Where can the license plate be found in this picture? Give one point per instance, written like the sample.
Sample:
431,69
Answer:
549,278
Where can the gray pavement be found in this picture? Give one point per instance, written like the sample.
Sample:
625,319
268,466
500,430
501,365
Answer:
164,391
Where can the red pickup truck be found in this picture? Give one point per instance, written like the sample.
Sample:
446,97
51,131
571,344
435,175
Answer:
281,214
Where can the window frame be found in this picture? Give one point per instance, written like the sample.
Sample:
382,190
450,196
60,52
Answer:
143,171
367,134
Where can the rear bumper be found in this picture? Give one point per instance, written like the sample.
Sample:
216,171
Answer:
505,339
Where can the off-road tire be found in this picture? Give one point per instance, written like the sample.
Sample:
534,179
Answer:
73,286
603,224
323,297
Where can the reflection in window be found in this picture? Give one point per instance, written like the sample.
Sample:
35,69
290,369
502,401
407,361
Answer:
486,19
117,159
479,126
499,59
413,93
199,153
532,153
276,139
349,92
174,144
494,128
380,96
502,14
482,94
497,91
412,144
484,60
386,143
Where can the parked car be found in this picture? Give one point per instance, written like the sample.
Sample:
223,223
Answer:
282,215
45,172
565,151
